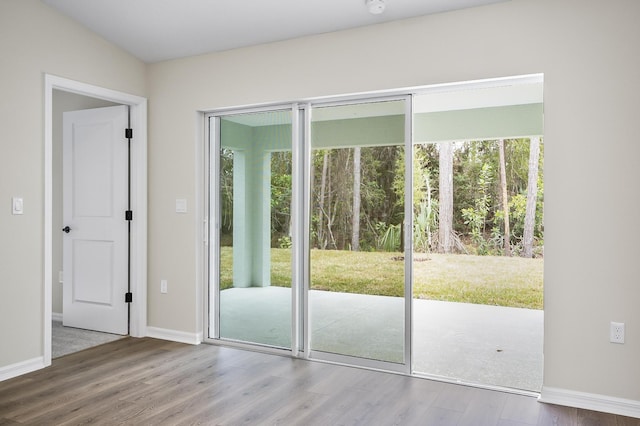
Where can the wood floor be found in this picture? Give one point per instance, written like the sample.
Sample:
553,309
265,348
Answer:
148,381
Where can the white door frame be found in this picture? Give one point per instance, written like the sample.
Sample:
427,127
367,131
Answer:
138,111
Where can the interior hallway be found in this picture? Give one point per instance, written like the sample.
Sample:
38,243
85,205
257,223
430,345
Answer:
67,340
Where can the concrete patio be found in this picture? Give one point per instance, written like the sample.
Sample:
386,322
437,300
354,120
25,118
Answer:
480,344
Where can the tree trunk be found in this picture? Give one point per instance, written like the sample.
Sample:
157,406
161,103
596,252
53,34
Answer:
355,219
321,211
446,198
427,181
505,198
532,196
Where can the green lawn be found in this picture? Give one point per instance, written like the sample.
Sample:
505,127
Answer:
488,280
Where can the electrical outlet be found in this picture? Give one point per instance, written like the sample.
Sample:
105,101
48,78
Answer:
616,332
163,286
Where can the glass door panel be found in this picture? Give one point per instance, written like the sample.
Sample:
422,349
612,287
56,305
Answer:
357,269
255,193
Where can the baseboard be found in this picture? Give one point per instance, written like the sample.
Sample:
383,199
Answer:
589,401
174,335
56,316
20,368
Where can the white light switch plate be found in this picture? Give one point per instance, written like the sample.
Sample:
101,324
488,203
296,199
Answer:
181,205
17,205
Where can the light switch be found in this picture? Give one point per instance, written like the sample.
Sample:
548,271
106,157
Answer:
181,205
17,205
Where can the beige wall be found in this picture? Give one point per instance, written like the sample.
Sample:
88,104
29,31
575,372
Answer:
588,53
35,40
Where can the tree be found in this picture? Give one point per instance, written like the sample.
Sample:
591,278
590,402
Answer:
226,195
355,219
532,193
281,184
445,240
321,211
505,198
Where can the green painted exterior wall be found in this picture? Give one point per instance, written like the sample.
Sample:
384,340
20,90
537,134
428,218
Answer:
252,147
479,124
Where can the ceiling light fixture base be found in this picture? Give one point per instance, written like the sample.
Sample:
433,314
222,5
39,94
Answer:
376,7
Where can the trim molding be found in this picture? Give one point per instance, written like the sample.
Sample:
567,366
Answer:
20,368
56,316
590,401
174,335
138,113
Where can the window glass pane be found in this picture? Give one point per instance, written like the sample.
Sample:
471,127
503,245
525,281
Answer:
357,210
255,240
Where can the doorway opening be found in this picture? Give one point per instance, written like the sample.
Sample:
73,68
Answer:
478,201
60,95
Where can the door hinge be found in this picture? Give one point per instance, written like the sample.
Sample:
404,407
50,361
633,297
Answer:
128,133
128,215
128,297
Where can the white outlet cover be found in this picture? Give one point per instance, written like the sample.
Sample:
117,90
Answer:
616,332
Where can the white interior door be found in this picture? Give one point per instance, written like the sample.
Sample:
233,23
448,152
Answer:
95,244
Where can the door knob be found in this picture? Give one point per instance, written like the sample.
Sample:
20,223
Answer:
66,229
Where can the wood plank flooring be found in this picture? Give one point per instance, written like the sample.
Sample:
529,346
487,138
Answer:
149,382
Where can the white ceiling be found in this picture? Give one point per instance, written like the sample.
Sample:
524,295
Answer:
158,30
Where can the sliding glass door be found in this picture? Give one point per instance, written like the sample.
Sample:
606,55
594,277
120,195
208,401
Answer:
253,246
358,285
383,231
308,248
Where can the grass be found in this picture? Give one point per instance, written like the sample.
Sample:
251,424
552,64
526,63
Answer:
487,280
